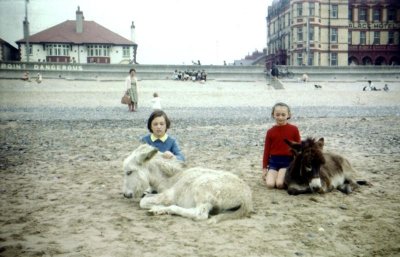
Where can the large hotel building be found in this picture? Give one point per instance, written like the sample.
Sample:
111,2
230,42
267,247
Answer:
333,32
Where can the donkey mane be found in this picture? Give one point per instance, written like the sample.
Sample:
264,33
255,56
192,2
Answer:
168,167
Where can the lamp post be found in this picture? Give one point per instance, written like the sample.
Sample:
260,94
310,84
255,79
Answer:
26,31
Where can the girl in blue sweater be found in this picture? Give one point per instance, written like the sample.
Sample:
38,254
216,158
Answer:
158,124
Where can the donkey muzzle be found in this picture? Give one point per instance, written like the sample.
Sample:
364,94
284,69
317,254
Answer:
128,195
315,184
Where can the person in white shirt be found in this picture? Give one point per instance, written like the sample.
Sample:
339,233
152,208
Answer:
156,102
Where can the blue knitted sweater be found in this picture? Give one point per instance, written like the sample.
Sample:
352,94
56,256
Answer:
170,144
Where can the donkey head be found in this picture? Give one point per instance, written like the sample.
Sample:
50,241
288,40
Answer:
308,158
136,174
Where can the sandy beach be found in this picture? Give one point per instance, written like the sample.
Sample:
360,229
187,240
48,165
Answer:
63,143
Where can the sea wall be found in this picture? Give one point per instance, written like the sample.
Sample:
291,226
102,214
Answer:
15,70
71,71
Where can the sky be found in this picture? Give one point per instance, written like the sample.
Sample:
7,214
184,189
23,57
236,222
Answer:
167,31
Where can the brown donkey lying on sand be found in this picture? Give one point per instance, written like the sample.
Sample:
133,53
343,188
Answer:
313,170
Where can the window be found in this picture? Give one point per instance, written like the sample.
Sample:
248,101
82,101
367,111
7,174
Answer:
57,50
377,37
319,10
98,50
334,61
311,33
350,38
300,34
299,59
334,35
319,58
334,11
362,16
363,38
126,51
391,14
377,14
310,59
351,15
312,9
30,49
319,34
299,9
391,37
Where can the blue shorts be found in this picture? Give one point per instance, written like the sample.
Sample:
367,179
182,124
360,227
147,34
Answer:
277,162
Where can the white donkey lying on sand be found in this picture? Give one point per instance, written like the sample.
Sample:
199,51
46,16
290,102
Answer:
193,193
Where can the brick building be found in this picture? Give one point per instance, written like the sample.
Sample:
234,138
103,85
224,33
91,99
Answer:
333,32
79,41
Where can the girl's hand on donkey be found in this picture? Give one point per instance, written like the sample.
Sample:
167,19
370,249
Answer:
168,155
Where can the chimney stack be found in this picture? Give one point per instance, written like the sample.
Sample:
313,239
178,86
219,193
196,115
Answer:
79,21
133,35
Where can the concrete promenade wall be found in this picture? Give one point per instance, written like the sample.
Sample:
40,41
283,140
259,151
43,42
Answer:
15,70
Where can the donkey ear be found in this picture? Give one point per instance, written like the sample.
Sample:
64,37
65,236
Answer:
146,153
295,147
321,142
289,143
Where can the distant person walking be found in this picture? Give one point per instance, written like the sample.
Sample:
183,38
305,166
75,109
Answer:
132,87
274,72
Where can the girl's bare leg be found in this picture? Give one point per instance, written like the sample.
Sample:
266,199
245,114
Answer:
270,180
280,180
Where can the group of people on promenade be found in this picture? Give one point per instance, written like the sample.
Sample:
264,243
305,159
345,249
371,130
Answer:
190,75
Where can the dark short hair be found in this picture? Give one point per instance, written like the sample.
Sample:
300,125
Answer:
132,70
283,105
155,114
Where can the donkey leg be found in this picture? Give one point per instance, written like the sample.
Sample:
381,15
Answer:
348,186
295,189
150,200
198,213
345,188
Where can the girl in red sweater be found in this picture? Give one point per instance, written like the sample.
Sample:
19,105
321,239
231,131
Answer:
277,155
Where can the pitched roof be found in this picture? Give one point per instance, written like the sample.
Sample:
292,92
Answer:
2,41
65,32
